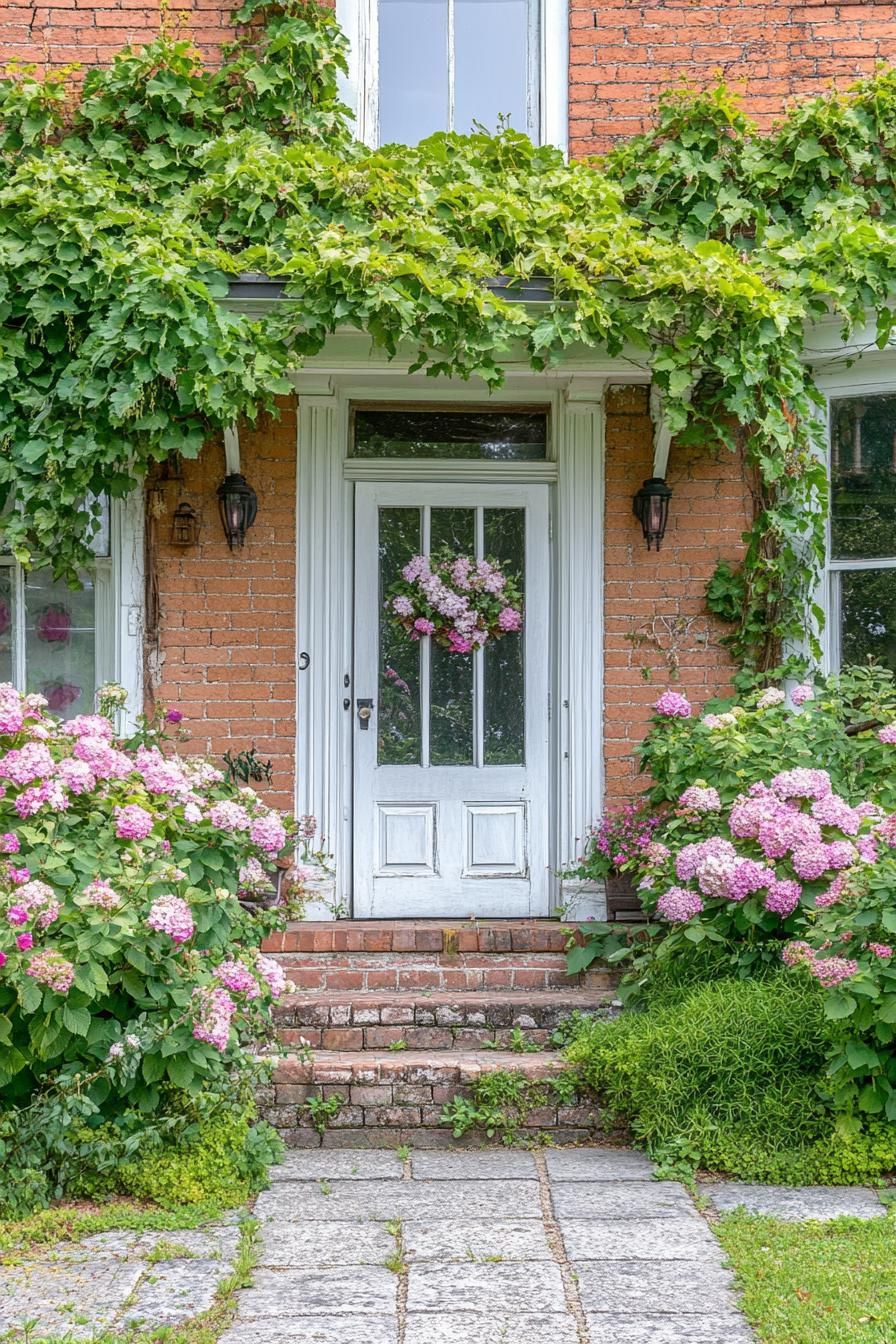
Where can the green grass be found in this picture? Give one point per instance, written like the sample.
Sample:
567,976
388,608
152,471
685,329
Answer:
815,1283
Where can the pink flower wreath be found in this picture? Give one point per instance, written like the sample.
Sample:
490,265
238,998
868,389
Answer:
459,601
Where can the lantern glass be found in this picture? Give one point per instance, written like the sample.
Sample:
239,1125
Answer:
239,506
651,507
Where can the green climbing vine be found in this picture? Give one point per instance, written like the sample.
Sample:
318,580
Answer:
700,248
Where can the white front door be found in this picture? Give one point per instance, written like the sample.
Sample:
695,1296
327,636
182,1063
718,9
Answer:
451,794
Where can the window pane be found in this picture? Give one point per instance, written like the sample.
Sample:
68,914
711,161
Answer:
398,711
7,624
506,436
451,674
868,616
60,642
505,701
491,59
863,477
413,69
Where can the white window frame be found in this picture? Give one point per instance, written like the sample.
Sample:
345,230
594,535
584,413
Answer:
872,374
548,76
118,607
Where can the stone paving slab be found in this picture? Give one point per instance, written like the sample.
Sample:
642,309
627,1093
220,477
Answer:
76,1299
485,1288
317,1330
315,1164
469,1328
795,1204
171,1293
470,1240
620,1199
663,1288
320,1245
640,1239
357,1290
384,1200
473,1166
684,1329
597,1164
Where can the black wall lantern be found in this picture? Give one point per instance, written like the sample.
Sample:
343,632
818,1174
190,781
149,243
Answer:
651,507
238,503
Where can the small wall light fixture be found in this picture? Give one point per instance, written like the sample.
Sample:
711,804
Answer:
650,506
238,503
184,525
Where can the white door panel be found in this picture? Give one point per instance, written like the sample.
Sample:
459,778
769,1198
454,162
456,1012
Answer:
451,807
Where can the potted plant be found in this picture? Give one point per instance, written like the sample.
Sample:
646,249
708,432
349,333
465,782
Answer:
613,849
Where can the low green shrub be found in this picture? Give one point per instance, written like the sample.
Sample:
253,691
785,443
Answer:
731,1076
220,1161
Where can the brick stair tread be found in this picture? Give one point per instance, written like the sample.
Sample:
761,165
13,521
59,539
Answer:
577,996
486,937
371,1066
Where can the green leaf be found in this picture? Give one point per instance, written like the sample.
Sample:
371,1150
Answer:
76,1020
181,1072
837,1004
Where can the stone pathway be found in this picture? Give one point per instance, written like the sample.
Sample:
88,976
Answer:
107,1282
795,1204
569,1246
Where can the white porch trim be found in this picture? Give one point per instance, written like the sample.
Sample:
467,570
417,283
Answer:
324,514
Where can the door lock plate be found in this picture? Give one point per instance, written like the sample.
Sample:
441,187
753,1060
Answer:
365,710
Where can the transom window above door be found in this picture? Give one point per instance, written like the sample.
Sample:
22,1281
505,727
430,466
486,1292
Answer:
421,66
515,434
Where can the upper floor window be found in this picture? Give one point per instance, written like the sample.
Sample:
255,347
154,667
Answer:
862,550
420,66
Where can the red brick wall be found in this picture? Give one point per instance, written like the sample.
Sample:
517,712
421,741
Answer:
227,620
654,601
623,53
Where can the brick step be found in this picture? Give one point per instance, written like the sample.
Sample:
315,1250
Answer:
332,1020
390,1099
421,935
404,971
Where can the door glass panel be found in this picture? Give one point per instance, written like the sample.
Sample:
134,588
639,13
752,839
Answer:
504,727
863,477
60,642
451,720
868,616
398,710
413,73
505,436
500,27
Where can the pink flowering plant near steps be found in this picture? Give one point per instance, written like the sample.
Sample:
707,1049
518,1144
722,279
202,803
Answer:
791,870
460,602
127,960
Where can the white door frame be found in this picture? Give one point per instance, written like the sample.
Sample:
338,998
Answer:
324,611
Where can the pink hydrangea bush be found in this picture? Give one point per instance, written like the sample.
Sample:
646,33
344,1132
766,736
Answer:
120,918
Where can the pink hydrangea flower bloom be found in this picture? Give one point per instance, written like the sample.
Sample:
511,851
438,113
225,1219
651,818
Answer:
17,875
801,694
783,897
714,873
12,711
3,960
797,953
214,1011
691,856
106,761
268,833
787,830
887,735
52,969
423,626
89,725
272,973
17,915
832,810
76,775
133,822
402,606
842,854
236,977
831,894
510,619
832,971
748,877
679,904
770,698
228,816
24,942
100,893
25,764
802,782
811,861
9,843
881,950
672,705
701,798
170,914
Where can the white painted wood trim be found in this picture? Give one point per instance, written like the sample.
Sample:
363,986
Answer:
128,584
580,507
323,508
